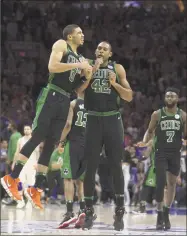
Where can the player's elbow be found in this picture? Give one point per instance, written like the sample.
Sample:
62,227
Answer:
128,96
51,68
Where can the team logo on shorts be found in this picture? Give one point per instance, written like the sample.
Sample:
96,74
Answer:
66,171
177,116
150,181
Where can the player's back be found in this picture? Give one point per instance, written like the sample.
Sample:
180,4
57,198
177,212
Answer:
168,134
79,121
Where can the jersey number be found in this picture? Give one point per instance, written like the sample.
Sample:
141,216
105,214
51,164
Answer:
73,74
101,86
170,135
81,119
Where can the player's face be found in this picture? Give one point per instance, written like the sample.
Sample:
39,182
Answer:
77,37
27,130
171,99
103,50
4,144
9,126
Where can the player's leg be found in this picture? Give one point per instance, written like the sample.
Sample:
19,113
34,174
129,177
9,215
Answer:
78,174
68,185
80,192
113,140
160,169
93,145
126,174
51,183
40,130
59,105
171,177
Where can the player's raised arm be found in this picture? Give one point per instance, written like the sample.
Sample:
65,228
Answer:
152,126
55,65
123,88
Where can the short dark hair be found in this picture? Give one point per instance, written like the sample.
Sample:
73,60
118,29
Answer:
69,30
106,41
27,125
172,89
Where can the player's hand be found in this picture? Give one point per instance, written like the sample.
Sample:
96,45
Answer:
88,72
98,62
112,77
60,148
84,64
141,144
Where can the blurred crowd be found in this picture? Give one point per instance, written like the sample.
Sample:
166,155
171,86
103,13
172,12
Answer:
150,42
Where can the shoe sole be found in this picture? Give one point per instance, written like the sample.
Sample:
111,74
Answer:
79,223
118,224
85,228
8,190
67,223
31,201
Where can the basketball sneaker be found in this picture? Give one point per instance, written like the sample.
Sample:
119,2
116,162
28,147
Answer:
80,220
160,220
167,224
89,219
34,196
69,218
118,218
11,187
140,210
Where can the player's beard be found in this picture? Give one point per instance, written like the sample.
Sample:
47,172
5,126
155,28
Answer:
170,105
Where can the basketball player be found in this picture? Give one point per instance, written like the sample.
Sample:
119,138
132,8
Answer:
73,168
65,66
104,127
168,124
27,175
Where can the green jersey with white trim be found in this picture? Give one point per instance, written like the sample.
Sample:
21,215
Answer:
168,133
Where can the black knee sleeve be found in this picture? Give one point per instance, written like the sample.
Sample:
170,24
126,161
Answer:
48,148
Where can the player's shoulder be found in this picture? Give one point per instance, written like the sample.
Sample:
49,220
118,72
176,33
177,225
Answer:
156,113
73,103
183,112
60,45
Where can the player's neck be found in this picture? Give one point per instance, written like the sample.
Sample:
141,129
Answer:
73,47
28,136
172,110
104,64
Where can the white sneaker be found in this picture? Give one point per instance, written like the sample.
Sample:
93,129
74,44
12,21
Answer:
28,205
20,204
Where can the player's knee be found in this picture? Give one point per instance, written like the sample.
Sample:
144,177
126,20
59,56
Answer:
29,147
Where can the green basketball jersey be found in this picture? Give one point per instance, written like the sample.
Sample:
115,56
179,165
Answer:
65,80
100,96
168,133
